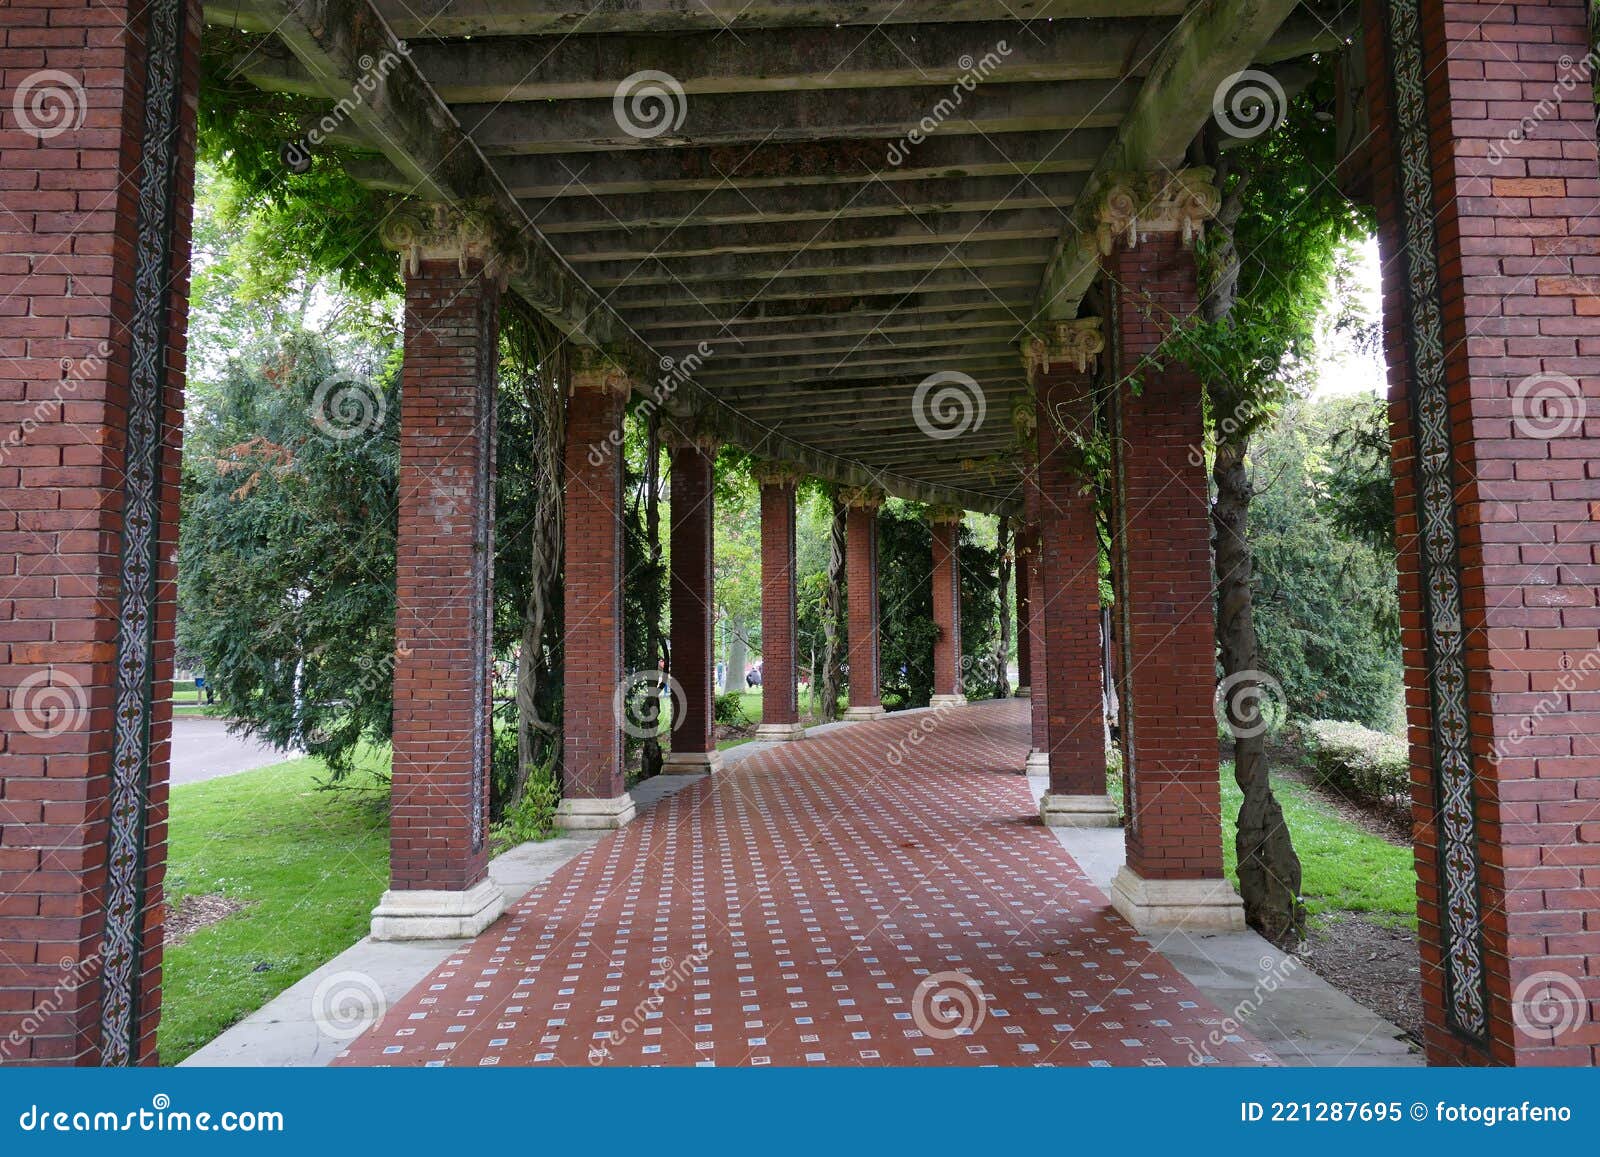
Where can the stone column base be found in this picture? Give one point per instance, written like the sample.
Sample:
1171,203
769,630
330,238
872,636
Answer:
1193,905
947,701
691,762
580,815
861,714
1023,692
1079,811
780,732
426,914
1038,763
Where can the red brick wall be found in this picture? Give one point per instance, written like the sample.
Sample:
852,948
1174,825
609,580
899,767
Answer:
778,698
947,608
592,649
1518,227
1169,731
691,596
68,206
441,696
861,574
1068,687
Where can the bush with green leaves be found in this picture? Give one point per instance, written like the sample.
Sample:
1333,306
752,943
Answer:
1365,763
728,710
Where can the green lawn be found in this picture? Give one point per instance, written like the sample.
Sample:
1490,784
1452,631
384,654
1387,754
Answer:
307,864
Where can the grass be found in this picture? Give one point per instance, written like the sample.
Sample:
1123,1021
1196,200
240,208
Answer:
1343,867
307,864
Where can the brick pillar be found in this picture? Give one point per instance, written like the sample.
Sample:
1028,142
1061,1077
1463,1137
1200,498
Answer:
861,576
1060,368
780,711
594,689
1484,172
947,681
444,594
1022,546
1161,553
97,132
694,746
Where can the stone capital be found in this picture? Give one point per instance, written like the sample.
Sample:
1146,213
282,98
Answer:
1076,343
1134,204
945,514
594,369
768,472
432,231
861,497
680,434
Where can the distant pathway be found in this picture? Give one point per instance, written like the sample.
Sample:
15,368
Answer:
202,749
837,901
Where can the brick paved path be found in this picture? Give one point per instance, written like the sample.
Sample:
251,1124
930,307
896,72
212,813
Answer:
838,901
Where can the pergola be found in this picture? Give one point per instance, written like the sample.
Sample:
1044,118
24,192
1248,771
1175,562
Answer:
906,247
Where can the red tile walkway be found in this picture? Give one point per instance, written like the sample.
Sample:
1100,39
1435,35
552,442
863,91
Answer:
839,901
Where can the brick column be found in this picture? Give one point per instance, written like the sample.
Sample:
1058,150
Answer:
97,133
947,682
593,687
1161,554
861,576
1484,171
1038,761
780,711
1022,547
444,589
1060,370
694,746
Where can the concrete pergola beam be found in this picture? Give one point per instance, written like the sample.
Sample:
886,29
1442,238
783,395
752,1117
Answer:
765,267
891,197
699,301
1215,39
1000,223
785,117
794,376
890,325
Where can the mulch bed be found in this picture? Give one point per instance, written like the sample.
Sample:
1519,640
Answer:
193,913
1374,964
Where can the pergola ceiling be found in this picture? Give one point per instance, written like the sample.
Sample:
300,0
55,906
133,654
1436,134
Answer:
784,221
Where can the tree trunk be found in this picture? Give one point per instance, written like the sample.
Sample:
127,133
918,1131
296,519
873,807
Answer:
832,610
738,654
1002,675
1269,868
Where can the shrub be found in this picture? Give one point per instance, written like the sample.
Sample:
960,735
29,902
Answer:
532,816
729,710
1363,762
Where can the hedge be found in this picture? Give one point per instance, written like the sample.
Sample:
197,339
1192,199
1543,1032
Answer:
1363,762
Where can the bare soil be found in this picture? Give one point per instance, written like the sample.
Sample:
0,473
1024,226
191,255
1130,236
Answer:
1374,964
192,913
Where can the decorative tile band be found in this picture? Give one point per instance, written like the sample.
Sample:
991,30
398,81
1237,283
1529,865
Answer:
1461,925
122,948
